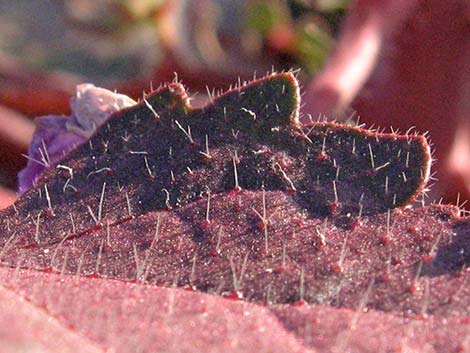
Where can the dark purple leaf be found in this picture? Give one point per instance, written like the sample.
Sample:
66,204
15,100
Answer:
240,200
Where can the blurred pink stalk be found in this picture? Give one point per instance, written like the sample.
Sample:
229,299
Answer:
17,129
7,197
401,63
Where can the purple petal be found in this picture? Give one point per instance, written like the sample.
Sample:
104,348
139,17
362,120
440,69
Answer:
55,136
51,141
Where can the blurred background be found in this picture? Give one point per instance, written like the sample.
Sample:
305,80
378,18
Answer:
385,62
